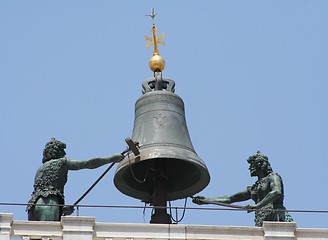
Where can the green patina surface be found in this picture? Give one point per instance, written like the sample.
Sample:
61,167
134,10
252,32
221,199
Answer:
50,180
267,193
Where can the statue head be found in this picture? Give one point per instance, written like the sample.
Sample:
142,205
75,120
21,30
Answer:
259,162
53,150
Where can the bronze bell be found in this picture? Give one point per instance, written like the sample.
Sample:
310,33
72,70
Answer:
165,148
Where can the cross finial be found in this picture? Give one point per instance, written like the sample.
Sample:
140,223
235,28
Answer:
152,15
154,40
156,63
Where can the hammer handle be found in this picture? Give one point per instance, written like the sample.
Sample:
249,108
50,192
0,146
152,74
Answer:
94,184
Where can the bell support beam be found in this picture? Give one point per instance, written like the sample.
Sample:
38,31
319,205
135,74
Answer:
160,195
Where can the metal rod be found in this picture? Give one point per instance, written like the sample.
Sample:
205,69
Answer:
94,184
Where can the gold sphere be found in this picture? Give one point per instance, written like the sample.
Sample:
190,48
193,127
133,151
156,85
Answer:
157,63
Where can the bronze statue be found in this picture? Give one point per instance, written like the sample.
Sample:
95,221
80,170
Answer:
267,193
51,178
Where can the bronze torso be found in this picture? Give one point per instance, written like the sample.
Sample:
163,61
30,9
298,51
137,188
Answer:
262,187
258,191
50,179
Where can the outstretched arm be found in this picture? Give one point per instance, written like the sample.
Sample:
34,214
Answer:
238,197
93,162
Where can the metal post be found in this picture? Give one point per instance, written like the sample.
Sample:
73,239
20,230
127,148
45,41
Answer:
159,197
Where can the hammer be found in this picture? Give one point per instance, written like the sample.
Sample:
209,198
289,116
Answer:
132,146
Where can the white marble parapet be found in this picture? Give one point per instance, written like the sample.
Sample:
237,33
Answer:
311,233
6,220
36,230
78,228
118,231
86,228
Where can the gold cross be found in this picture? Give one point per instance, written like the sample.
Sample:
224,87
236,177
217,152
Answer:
155,39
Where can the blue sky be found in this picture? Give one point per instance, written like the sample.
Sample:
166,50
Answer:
252,74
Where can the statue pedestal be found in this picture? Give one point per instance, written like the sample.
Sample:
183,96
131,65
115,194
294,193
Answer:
78,228
279,230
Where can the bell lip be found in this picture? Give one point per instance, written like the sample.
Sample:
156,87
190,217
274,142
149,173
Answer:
189,157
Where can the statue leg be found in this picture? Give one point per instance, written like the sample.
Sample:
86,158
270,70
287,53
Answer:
47,213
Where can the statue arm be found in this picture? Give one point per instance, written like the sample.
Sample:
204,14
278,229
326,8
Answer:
237,197
93,162
240,196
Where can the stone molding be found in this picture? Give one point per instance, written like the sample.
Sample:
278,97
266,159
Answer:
86,228
6,220
275,230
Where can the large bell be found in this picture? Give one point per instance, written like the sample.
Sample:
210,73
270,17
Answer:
165,148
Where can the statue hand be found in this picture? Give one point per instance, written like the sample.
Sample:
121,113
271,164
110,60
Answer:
68,210
198,200
117,158
250,208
